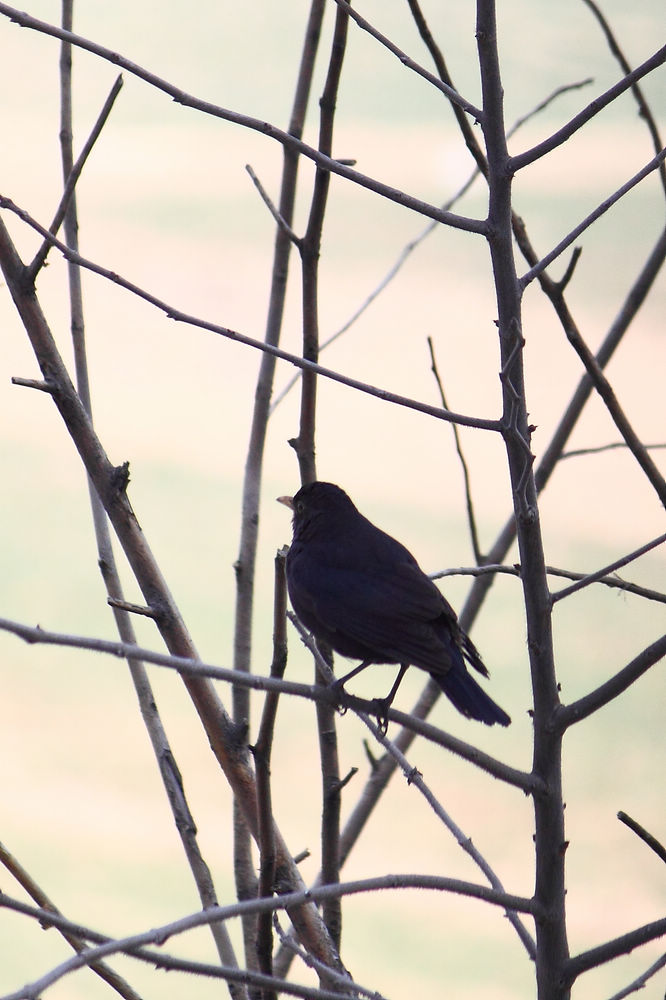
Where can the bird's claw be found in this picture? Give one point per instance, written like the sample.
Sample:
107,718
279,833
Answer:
338,689
380,710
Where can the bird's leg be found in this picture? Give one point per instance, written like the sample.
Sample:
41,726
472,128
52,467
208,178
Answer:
340,682
383,704
338,685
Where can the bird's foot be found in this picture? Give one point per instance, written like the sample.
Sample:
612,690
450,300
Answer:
337,687
380,710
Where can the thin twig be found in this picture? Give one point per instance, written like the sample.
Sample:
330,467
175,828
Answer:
646,837
600,210
281,221
262,758
237,979
640,982
614,446
414,243
492,569
643,106
583,117
436,82
75,941
568,715
471,518
414,777
240,338
622,945
246,121
198,669
286,901
72,178
606,570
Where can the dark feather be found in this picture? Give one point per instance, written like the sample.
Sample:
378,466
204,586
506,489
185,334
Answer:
362,592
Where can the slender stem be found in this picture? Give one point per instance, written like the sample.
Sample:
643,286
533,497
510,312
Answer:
266,348
245,565
286,139
262,756
552,949
597,105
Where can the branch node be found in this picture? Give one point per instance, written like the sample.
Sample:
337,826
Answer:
133,609
119,479
43,385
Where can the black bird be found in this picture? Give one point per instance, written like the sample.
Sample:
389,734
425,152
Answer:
362,592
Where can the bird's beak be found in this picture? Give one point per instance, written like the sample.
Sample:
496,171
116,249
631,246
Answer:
287,501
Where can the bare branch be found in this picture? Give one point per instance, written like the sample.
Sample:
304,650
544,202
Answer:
643,106
72,179
246,121
613,949
597,105
158,935
592,702
414,243
414,777
436,82
236,978
262,757
281,221
639,983
492,569
646,837
600,210
613,446
471,519
240,338
600,573
68,931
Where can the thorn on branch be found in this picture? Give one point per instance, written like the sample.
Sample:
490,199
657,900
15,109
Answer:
120,478
372,760
339,785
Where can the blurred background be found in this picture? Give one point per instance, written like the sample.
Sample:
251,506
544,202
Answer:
166,202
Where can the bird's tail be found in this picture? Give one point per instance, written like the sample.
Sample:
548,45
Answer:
469,697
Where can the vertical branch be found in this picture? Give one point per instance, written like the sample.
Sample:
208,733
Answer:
247,554
262,758
552,948
169,771
305,450
310,247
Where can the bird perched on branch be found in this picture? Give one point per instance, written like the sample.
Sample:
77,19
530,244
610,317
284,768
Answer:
362,592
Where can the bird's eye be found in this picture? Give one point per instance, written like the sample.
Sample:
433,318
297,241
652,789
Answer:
300,507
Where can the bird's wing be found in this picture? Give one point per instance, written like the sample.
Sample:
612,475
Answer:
390,613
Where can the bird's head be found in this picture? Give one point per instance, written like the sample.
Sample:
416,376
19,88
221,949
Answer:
315,501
